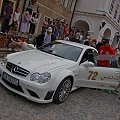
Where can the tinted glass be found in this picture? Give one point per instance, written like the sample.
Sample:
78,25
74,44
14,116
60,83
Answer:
62,50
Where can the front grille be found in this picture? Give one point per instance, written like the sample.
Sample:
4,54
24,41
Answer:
18,88
16,69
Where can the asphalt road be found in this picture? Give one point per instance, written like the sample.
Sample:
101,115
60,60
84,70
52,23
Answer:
82,104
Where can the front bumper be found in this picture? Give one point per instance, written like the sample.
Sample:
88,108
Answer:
28,89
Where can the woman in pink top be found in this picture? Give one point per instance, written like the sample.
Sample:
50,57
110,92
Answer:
45,25
25,22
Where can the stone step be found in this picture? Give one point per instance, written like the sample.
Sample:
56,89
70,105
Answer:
4,52
2,42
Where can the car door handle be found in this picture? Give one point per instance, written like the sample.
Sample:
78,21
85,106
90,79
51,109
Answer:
117,72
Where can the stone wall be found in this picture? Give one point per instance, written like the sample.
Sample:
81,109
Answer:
52,10
49,8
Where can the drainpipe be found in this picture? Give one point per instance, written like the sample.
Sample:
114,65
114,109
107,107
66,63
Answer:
73,14
24,6
17,4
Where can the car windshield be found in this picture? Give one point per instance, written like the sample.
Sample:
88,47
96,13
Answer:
62,50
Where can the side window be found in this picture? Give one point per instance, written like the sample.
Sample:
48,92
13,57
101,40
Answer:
85,57
89,55
95,57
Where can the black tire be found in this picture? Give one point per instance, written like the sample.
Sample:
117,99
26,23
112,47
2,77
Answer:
62,91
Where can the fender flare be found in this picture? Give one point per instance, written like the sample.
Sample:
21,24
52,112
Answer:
61,76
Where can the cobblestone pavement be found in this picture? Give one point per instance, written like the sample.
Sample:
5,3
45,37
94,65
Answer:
82,104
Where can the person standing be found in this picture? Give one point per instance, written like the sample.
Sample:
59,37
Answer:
33,23
16,18
45,25
24,23
56,29
76,38
48,38
15,23
61,30
8,10
66,29
107,53
70,36
45,38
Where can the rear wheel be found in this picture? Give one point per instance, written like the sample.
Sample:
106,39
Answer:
62,91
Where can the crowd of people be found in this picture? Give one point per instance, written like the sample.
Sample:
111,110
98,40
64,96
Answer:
17,24
51,30
60,29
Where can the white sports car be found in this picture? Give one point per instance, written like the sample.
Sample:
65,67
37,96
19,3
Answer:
51,72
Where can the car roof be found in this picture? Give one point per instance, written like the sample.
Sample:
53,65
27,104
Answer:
75,44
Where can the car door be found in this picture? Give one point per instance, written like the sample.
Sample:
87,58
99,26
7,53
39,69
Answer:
97,77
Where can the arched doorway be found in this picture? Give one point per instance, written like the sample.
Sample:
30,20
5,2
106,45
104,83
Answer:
81,26
3,3
107,33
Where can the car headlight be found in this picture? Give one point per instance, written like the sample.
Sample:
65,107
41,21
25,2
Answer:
40,78
4,61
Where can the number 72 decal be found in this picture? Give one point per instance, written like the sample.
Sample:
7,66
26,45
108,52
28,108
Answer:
92,75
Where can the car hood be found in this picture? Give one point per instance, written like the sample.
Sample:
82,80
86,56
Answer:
35,60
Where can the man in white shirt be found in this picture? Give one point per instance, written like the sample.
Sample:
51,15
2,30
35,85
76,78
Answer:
46,38
15,24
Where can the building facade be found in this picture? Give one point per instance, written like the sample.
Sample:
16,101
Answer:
53,9
4,2
101,18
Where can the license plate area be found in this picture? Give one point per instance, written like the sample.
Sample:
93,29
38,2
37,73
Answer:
10,79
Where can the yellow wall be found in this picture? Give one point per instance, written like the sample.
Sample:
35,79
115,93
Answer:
14,1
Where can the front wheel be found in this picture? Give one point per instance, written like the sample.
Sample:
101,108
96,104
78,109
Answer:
62,91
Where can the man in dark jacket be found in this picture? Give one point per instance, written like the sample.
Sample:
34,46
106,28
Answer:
46,38
8,10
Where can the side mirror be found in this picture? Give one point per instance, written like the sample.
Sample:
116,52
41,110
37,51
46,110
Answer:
87,64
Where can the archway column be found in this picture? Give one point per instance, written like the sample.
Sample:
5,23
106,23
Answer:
1,1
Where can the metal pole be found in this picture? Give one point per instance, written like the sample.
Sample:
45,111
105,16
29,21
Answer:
73,14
